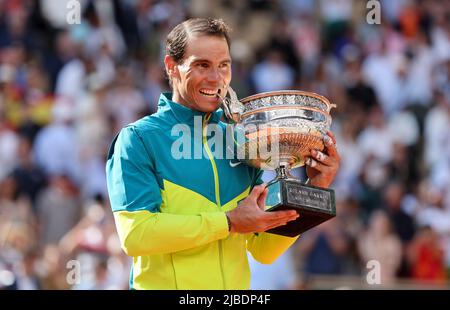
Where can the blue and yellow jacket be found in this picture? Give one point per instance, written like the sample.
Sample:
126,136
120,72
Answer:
170,213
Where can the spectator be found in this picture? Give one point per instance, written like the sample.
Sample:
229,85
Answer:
29,177
272,73
426,257
55,146
402,223
381,244
124,101
58,209
324,249
9,143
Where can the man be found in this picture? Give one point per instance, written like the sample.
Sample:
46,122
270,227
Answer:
180,219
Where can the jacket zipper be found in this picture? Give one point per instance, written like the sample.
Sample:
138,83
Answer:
211,159
216,187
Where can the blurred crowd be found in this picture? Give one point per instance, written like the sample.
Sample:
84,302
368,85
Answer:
66,90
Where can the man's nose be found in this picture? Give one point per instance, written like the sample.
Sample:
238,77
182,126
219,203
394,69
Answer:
214,75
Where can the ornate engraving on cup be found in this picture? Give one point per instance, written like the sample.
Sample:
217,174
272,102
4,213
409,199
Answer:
289,123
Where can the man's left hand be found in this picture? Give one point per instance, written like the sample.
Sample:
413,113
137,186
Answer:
322,166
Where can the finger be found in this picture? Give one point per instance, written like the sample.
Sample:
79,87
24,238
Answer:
276,224
282,220
281,215
328,140
279,221
332,136
262,199
316,165
256,192
330,146
322,157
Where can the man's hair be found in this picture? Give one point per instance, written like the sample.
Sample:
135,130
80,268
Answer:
176,41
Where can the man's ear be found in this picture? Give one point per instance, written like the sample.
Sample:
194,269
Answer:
171,67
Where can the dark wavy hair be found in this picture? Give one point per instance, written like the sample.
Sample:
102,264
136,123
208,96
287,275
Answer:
177,39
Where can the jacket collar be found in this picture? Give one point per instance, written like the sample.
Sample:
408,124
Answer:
183,114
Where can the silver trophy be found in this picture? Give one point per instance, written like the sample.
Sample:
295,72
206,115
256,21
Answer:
276,131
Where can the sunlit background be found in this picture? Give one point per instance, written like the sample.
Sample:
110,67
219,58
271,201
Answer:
66,90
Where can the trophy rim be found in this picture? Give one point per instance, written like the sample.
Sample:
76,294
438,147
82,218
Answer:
246,114
288,92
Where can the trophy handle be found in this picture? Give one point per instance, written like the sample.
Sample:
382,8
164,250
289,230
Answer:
232,107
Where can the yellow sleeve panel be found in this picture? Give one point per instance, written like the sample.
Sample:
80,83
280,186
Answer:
266,248
145,233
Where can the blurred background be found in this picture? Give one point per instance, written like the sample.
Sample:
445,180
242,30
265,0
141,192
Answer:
66,90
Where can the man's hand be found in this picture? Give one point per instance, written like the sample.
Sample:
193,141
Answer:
249,216
323,166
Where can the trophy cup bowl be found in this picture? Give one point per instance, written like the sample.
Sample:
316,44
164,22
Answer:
276,131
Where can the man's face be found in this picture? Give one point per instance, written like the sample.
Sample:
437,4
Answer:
204,72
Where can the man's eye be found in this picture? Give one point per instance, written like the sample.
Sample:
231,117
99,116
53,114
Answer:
202,65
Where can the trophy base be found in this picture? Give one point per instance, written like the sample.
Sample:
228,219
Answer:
315,205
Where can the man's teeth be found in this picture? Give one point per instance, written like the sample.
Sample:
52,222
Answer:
208,92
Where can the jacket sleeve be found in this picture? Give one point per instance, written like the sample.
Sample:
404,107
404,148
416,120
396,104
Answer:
266,248
135,197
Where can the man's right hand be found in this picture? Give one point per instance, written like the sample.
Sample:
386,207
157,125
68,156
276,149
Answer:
249,216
